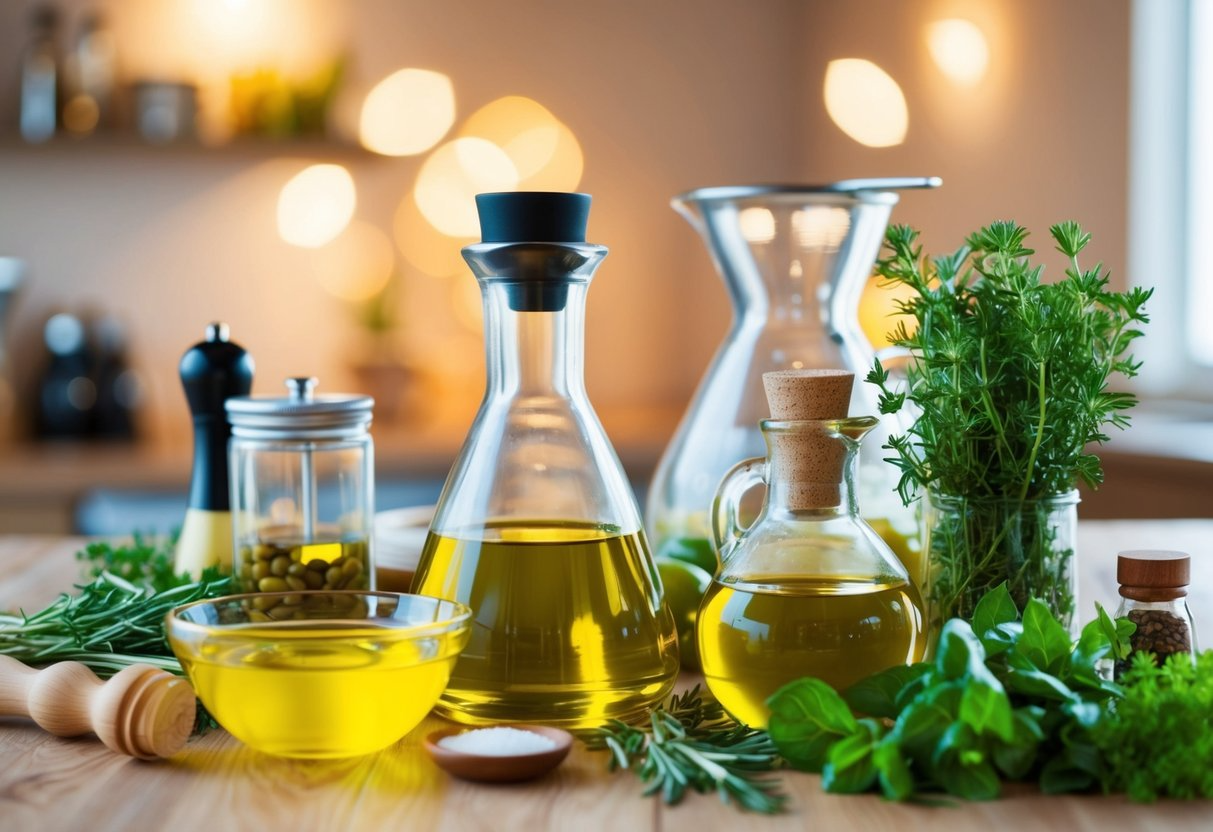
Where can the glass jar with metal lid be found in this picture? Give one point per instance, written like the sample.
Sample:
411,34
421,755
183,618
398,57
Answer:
302,493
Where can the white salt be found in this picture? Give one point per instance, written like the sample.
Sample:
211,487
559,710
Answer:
498,742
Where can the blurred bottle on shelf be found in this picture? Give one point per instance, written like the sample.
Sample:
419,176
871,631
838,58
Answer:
89,71
40,77
11,276
67,396
119,388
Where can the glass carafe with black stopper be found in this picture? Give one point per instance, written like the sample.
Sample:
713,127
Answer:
537,529
795,261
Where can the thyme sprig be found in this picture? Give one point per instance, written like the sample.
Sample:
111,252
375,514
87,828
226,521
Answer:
693,745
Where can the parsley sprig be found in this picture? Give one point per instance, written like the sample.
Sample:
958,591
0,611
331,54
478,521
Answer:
693,745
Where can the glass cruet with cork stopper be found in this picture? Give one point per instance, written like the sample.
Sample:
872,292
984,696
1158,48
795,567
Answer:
809,589
1154,596
537,529
302,487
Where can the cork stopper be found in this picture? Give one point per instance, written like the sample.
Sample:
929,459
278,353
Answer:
1153,574
808,464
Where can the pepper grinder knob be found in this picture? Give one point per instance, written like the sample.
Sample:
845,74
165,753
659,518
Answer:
142,711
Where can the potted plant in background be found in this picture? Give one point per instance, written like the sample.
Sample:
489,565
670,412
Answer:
1008,382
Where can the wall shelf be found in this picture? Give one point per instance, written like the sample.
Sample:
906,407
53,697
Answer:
244,146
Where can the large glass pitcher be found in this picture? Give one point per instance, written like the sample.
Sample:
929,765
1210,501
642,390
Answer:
795,261
537,529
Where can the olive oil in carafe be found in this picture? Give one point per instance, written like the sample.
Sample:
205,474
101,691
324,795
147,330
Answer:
569,624
755,638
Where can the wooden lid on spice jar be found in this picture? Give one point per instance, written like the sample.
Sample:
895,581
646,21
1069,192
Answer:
1153,574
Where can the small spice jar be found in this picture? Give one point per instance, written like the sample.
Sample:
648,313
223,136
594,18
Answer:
302,489
1154,591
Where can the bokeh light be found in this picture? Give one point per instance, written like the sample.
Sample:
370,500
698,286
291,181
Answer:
878,310
357,265
407,112
757,224
451,177
545,152
316,205
960,50
865,102
424,246
468,303
821,226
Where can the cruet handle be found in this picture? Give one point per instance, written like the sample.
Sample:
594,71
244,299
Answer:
726,528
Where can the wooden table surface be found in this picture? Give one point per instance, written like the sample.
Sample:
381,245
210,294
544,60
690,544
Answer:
47,783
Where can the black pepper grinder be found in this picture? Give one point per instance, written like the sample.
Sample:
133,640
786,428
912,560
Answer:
212,372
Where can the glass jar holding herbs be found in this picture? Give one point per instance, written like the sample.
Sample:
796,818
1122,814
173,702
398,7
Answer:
1009,387
302,493
1154,596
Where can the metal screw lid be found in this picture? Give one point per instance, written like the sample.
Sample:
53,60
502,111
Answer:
300,415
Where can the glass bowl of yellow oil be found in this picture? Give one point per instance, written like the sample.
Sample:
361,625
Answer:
319,674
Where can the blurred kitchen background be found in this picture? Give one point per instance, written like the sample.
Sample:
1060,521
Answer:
303,170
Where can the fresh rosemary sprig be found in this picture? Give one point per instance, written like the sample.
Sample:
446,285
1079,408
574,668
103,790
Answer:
693,744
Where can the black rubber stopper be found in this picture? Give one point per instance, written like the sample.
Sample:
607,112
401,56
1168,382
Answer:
533,217
213,371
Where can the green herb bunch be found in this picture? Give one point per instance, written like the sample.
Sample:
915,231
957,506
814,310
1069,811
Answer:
1007,697
693,745
1158,740
1009,386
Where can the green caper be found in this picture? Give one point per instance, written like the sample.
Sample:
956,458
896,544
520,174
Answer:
261,570
280,564
352,568
296,568
333,577
295,582
258,616
264,603
314,580
272,584
281,612
265,551
246,572
318,565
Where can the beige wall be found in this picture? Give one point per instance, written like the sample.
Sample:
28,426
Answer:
664,96
1042,139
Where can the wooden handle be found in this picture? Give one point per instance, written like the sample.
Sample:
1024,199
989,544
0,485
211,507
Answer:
142,711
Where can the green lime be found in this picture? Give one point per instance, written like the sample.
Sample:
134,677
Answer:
696,550
685,585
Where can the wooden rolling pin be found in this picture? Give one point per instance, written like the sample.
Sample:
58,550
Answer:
142,711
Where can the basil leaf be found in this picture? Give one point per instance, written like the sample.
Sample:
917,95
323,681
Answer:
1045,642
877,695
1035,682
896,782
995,607
807,717
850,768
924,721
986,709
959,652
1016,757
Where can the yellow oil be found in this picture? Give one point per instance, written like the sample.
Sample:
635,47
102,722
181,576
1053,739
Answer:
352,694
569,624
755,638
906,546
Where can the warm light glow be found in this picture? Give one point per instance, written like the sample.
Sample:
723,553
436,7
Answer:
316,205
821,226
865,102
407,112
424,246
544,151
451,177
757,225
468,303
878,310
959,49
357,265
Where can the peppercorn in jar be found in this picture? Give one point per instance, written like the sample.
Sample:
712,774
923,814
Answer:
1154,590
